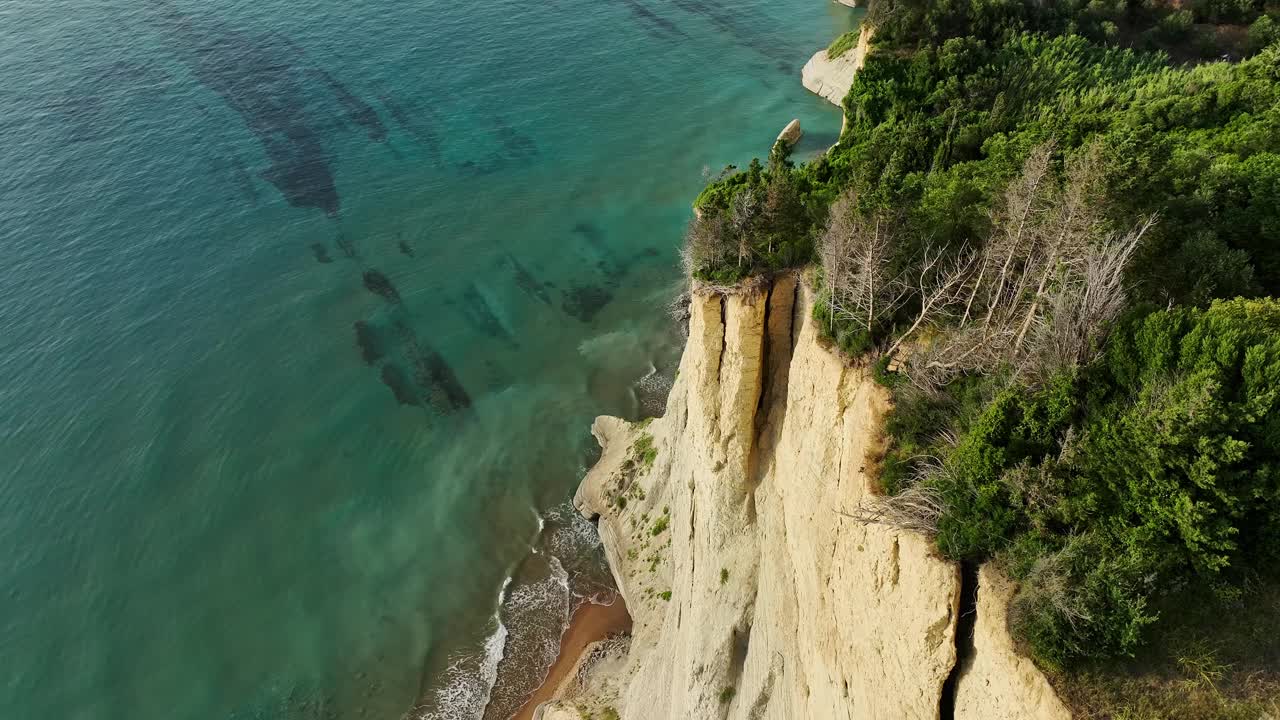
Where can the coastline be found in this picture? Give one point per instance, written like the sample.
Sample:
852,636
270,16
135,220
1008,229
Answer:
590,623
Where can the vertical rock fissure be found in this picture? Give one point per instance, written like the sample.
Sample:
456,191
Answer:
965,623
766,347
724,339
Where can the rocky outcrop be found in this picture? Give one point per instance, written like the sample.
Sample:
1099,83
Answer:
790,134
832,77
753,595
997,683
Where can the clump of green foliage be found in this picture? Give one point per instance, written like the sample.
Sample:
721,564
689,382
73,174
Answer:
1155,467
750,222
660,525
1143,459
1214,659
726,694
644,450
842,44
665,595
724,575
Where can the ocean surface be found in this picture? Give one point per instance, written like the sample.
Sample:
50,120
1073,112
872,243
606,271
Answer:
305,310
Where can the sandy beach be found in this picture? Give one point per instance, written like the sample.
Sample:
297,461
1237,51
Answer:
590,622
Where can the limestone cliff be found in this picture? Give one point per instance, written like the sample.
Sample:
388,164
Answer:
752,595
832,78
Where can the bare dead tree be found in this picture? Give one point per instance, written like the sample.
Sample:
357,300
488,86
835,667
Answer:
1018,217
917,508
855,251
708,242
835,252
874,292
1073,223
1083,308
938,283
963,350
742,219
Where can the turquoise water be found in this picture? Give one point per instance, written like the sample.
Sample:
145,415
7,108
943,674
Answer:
304,315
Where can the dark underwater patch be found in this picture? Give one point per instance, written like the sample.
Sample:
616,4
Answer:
527,282
433,375
344,244
358,111
264,80
321,253
729,20
592,233
440,383
370,343
401,386
405,248
657,25
481,316
515,144
376,282
421,127
586,301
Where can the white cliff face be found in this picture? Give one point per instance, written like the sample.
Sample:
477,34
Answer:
779,606
997,683
832,78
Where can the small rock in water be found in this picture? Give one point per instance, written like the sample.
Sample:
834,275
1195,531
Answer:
790,134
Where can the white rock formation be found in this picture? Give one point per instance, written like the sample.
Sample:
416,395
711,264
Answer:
832,78
779,605
790,134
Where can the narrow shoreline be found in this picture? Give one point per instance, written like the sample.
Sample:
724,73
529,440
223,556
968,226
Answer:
590,622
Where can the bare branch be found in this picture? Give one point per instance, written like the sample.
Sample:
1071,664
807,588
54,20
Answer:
938,284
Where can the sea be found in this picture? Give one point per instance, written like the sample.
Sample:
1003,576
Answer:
306,309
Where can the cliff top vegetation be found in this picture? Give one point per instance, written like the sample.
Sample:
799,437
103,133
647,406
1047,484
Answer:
1061,221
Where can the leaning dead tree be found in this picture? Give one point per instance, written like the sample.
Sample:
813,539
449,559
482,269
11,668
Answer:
855,253
1045,286
917,508
938,284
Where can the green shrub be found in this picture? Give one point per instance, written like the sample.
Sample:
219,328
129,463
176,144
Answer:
726,695
644,452
1158,466
660,525
1263,32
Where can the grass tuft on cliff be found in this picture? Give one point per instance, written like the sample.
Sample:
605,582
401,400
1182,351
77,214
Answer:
842,44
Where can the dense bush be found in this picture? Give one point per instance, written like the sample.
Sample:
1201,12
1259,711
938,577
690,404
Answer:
1104,469
1104,488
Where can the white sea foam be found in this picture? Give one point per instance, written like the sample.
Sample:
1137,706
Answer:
531,618
537,614
467,685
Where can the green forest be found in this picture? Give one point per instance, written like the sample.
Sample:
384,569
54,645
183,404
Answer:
1059,224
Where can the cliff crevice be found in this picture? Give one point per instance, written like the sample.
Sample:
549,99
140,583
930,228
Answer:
752,594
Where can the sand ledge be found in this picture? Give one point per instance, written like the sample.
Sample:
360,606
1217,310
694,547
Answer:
590,622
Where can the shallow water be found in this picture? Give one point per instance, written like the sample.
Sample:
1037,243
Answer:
305,313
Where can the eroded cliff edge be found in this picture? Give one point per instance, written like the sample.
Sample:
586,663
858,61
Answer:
752,595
